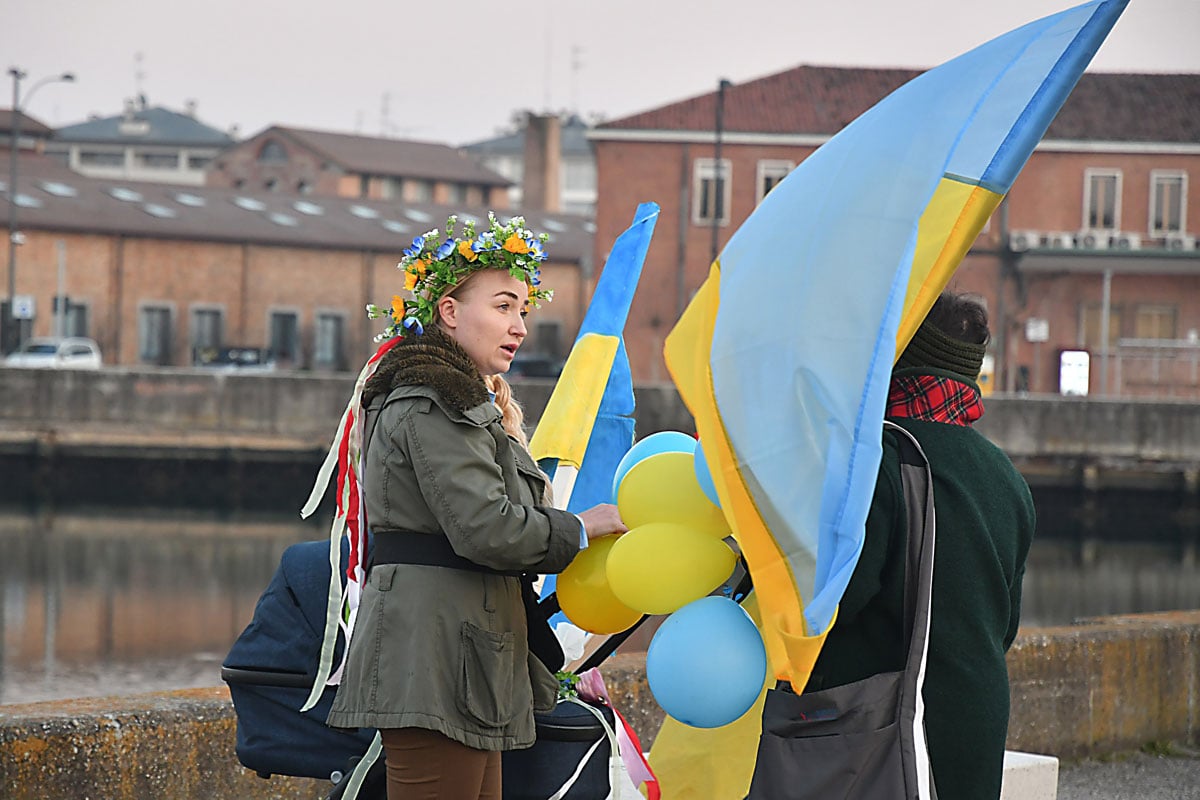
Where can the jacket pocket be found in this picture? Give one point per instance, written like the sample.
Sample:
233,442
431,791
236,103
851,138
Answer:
485,691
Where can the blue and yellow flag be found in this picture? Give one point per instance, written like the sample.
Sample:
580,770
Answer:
588,421
785,353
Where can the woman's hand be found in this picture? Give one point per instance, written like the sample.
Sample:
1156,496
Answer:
602,520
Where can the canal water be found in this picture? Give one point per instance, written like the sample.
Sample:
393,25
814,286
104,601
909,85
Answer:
102,603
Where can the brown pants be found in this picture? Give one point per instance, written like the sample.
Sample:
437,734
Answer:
425,765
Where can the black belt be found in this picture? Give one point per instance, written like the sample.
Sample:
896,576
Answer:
423,549
434,550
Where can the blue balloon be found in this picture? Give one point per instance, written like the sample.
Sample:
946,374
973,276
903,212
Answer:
707,664
703,476
652,445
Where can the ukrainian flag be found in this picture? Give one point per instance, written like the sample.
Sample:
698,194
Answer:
588,421
785,353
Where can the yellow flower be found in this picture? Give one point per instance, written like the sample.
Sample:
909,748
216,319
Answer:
515,244
464,250
410,282
398,307
419,266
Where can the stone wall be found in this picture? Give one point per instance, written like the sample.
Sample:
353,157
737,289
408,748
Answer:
1109,684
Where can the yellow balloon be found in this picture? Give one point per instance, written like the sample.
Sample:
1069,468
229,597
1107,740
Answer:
584,593
660,567
663,488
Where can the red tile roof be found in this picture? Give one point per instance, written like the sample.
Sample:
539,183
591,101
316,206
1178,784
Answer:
823,100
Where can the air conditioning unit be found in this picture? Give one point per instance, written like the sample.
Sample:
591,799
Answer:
1020,241
1179,242
1060,241
1093,240
1127,241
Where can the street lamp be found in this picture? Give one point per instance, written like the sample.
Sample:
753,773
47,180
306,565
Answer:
718,200
14,237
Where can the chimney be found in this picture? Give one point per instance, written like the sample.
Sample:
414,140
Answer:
543,152
189,108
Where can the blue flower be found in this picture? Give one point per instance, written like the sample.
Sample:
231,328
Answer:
414,325
445,249
485,243
536,277
535,249
418,245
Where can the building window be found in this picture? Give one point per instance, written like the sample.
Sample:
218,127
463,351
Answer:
770,173
272,153
1090,317
75,323
1154,322
154,335
327,352
710,190
420,191
285,338
548,338
579,175
1168,202
1102,200
199,162
271,185
457,194
101,158
208,328
156,160
364,185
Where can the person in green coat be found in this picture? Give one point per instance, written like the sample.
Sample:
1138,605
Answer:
444,659
985,524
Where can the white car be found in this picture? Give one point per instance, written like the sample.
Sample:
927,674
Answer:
74,352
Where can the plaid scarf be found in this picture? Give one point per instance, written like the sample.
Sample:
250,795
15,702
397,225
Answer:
933,399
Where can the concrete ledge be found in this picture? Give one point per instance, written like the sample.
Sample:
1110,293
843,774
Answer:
1106,685
173,744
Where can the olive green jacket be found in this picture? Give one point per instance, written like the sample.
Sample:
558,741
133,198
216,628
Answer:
439,648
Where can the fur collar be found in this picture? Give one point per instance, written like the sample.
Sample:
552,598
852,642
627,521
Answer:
432,359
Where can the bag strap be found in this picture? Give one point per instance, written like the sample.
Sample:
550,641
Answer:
916,481
613,755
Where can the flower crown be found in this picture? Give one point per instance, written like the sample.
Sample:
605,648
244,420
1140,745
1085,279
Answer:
432,267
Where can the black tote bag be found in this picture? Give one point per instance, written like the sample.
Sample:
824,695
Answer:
864,740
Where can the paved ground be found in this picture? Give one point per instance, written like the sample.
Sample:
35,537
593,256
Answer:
1171,775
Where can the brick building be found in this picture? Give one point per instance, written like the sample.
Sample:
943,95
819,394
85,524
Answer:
155,272
297,161
1099,219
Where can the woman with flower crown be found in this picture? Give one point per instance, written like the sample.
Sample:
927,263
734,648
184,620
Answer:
446,660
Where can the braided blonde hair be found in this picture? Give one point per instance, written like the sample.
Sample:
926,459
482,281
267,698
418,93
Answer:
512,416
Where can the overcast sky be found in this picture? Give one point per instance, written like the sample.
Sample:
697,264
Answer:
456,71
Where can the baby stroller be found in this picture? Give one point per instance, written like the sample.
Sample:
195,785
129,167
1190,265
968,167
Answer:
271,667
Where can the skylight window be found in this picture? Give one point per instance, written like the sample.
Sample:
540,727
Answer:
553,225
125,195
59,189
394,226
27,201
590,227
160,211
305,207
286,220
249,203
192,200
417,216
363,212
